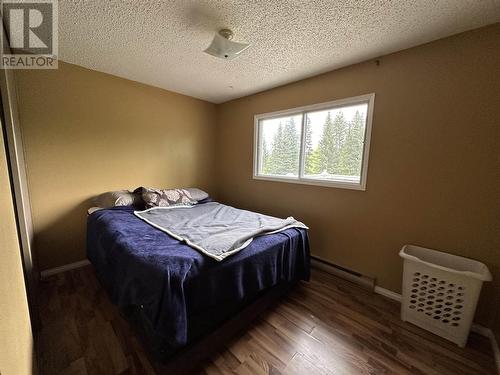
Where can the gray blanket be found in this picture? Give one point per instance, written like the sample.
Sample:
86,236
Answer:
214,229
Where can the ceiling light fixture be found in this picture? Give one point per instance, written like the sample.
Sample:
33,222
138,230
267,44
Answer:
223,47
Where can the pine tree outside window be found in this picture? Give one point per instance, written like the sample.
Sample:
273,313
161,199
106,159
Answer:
324,144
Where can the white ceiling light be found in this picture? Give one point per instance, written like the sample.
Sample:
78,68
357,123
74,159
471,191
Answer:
222,46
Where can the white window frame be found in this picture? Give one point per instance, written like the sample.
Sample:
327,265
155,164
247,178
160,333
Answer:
361,99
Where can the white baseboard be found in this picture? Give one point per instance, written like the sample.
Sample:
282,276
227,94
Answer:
477,328
388,293
496,348
66,267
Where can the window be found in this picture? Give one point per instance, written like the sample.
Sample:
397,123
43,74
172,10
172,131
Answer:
322,144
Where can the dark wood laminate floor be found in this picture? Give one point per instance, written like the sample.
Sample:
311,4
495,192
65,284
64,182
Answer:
326,326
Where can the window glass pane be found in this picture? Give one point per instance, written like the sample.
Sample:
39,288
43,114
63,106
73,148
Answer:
334,143
280,146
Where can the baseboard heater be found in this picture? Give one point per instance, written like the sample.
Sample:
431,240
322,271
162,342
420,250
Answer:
344,273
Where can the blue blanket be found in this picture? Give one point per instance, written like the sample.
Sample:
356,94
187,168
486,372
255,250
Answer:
173,283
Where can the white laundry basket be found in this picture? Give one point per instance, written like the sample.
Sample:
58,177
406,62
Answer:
440,291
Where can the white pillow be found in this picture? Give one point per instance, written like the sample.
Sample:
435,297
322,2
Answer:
197,194
117,198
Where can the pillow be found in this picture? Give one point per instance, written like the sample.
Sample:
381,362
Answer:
118,198
197,194
164,198
91,210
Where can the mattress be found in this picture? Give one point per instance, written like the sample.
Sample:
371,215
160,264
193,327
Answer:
180,292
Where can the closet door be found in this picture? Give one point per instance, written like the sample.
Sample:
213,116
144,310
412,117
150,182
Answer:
19,183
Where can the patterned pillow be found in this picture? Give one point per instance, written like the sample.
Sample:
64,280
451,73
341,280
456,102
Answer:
164,198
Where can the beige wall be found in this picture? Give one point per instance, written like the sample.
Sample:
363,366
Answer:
86,132
433,178
16,340
434,172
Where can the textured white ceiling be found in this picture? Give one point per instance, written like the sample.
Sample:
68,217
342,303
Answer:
160,43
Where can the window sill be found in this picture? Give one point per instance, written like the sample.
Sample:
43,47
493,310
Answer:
307,181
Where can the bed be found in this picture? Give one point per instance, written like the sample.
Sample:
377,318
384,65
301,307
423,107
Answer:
177,293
